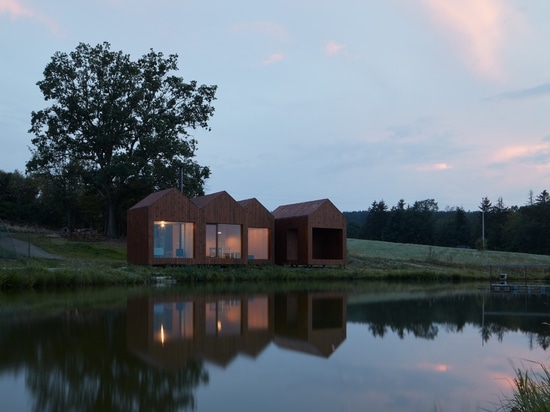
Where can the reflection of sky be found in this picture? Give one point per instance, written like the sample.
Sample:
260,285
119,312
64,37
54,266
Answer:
453,372
14,394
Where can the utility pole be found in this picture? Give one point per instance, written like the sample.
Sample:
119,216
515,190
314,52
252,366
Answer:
483,229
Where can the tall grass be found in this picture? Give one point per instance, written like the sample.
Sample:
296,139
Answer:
531,391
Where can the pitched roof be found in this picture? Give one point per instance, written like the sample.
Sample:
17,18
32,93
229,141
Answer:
245,202
152,198
203,201
298,209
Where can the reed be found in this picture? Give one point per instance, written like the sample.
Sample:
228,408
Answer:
531,391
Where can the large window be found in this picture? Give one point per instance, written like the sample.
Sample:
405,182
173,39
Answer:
258,243
223,241
173,239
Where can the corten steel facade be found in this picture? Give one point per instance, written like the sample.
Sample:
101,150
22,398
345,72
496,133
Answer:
167,228
152,215
310,233
222,229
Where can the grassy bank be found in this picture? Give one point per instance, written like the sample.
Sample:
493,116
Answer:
104,263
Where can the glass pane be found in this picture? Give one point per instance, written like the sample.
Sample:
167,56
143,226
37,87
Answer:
229,241
211,240
173,239
258,243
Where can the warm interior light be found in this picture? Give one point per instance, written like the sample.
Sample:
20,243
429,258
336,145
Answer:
219,325
162,334
162,223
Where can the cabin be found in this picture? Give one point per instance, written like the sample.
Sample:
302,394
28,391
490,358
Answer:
167,228
222,229
161,230
310,233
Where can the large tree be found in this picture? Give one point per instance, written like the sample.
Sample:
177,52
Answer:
122,125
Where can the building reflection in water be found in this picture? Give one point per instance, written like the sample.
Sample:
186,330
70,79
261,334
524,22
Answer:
168,331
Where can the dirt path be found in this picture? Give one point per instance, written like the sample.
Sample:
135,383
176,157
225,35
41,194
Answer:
23,248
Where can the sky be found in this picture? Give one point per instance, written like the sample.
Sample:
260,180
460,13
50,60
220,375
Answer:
352,100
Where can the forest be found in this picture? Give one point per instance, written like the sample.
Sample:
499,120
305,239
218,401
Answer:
25,200
494,226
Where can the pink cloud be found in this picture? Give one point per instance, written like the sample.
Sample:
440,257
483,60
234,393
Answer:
274,58
331,48
435,367
434,167
477,29
522,152
17,10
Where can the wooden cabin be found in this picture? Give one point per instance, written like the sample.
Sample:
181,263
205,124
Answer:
167,228
222,229
260,223
310,233
161,230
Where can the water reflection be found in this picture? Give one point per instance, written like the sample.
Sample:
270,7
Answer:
494,315
154,351
169,331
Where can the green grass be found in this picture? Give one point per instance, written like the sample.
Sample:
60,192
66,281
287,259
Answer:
531,391
111,251
368,249
104,263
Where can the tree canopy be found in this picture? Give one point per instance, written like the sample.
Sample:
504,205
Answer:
117,127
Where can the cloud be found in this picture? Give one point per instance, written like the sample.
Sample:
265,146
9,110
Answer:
529,93
477,29
435,367
532,154
332,48
434,167
16,10
270,29
274,58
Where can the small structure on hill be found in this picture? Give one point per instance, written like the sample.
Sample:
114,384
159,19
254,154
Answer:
310,233
167,228
161,229
222,229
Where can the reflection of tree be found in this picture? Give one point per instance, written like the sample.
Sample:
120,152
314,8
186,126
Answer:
80,362
422,317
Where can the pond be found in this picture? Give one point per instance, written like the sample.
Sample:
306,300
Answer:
370,346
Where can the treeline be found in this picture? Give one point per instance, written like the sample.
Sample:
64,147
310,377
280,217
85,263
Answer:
30,201
494,226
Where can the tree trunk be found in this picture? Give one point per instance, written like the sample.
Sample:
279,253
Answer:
111,231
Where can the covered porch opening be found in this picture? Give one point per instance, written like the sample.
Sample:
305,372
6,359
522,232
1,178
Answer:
327,243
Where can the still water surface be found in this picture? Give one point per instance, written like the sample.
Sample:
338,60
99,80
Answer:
370,347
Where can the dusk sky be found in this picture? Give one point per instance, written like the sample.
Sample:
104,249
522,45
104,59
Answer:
351,100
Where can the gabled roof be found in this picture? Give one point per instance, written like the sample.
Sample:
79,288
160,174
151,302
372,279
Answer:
203,201
298,209
245,202
152,198
252,201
